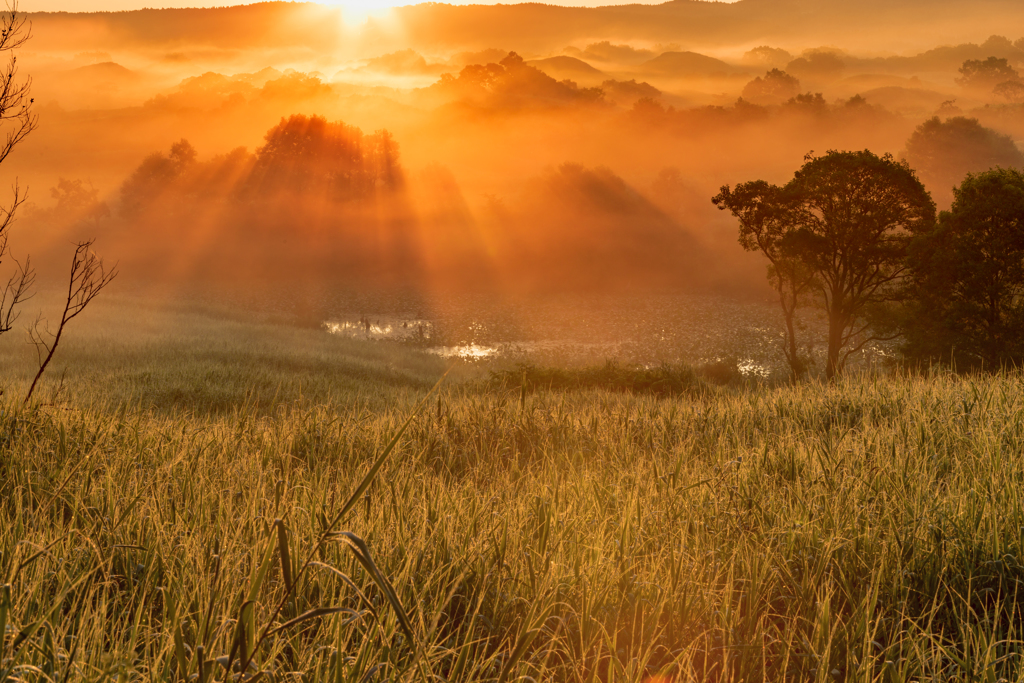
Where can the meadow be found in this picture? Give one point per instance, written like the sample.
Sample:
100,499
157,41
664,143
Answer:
205,497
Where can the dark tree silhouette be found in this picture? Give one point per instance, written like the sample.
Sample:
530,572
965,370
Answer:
774,88
1012,91
513,85
812,104
307,154
157,175
943,152
764,55
817,66
986,74
968,276
846,219
767,214
76,203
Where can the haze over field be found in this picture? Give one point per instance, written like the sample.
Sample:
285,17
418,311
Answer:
505,151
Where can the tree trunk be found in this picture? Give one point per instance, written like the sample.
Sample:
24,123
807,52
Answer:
792,354
836,325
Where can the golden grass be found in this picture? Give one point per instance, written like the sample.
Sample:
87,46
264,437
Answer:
157,517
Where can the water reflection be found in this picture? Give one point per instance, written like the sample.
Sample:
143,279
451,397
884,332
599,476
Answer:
746,336
749,367
466,351
382,327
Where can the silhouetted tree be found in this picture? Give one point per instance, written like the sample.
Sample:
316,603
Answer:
767,214
943,152
75,197
817,66
88,278
764,55
76,202
968,276
808,103
308,155
382,160
512,84
846,217
986,74
776,87
628,92
155,176
1013,91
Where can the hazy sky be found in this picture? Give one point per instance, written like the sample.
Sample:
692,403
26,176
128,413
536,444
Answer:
360,6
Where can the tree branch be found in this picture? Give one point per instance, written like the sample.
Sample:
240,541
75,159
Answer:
88,278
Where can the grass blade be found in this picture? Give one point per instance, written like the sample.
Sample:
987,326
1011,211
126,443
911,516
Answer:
362,554
306,616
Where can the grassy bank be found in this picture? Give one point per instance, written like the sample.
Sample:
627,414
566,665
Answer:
869,531
180,357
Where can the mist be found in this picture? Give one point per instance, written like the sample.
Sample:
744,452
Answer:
283,153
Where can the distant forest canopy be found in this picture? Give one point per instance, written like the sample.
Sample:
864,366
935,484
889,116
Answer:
542,148
302,157
323,203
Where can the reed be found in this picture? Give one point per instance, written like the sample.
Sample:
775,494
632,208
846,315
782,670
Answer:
867,531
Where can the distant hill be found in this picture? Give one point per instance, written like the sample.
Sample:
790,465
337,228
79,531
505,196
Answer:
430,28
948,57
561,68
914,101
106,84
104,71
866,24
686,65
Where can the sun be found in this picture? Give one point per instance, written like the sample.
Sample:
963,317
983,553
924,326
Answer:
356,12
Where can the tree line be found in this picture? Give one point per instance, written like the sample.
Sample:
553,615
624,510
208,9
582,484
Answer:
301,156
857,236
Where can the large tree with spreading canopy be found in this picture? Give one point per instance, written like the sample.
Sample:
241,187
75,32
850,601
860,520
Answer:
840,230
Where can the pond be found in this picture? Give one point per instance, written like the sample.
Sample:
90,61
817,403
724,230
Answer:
647,330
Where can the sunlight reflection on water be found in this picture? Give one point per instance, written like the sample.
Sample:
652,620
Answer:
466,351
382,327
648,331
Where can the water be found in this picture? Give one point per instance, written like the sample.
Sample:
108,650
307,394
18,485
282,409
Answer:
648,331
382,328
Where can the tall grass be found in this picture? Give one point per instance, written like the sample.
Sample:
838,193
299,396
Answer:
867,531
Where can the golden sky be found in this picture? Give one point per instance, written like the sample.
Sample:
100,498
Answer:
359,6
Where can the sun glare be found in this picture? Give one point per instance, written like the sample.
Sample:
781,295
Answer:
357,12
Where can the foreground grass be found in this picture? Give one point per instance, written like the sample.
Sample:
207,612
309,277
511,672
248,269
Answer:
869,531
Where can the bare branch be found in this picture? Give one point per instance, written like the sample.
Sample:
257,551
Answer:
17,291
16,114
867,341
88,278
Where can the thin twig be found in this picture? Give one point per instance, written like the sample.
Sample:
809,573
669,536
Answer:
88,278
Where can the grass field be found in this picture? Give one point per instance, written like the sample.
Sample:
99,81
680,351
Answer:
189,506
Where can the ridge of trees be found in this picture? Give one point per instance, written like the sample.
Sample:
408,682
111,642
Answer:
513,84
802,109
301,155
943,152
775,87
